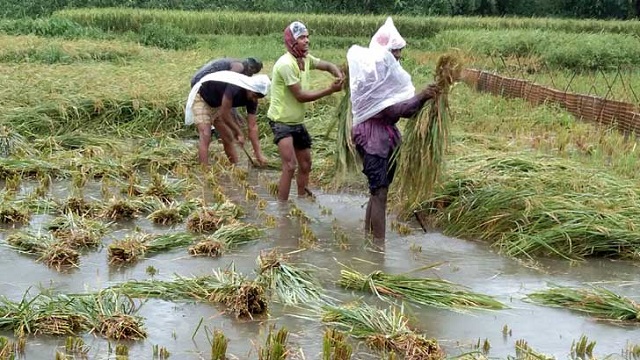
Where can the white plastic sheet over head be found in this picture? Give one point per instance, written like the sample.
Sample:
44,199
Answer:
376,80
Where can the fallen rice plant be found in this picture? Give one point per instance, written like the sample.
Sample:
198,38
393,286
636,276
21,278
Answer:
50,251
307,237
211,218
41,314
290,284
596,301
424,291
166,214
384,330
275,347
111,315
244,298
160,352
401,228
134,246
227,237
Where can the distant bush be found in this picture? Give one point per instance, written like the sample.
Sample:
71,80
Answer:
556,49
165,36
59,27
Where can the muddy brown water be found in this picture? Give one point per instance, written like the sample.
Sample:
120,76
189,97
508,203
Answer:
182,327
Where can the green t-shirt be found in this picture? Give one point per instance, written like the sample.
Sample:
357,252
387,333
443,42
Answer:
283,105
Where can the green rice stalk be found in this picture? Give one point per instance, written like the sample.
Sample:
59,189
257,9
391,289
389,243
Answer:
290,284
525,352
275,347
384,330
76,346
420,159
219,346
77,140
596,301
13,144
424,291
30,168
244,298
168,242
583,348
7,349
335,345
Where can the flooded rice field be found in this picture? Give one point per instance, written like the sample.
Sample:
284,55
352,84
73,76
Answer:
184,327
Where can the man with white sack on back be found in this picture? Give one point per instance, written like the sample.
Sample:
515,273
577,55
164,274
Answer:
381,94
211,102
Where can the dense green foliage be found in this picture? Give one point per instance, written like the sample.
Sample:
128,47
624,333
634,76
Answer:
602,9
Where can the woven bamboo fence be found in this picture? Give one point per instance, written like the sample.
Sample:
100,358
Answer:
625,116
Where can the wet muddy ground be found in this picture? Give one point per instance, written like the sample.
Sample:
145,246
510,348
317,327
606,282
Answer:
182,327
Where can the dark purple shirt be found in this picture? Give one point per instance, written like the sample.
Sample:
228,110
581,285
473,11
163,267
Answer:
379,135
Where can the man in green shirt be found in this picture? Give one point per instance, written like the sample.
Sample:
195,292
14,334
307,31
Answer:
289,93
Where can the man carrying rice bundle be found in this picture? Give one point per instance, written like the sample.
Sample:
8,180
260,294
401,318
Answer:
381,94
286,112
214,101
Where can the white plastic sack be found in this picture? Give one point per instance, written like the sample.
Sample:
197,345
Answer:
387,37
257,83
376,80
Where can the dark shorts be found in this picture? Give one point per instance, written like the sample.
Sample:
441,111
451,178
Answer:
300,135
379,170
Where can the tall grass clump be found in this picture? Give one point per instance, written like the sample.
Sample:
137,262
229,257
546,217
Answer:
596,301
227,237
421,156
50,251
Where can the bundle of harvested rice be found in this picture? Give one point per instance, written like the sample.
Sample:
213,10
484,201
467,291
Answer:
120,209
227,237
50,251
421,155
164,189
425,291
76,205
166,214
7,349
111,315
596,301
346,157
384,330
244,298
526,352
211,218
290,284
134,246
12,213
77,231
